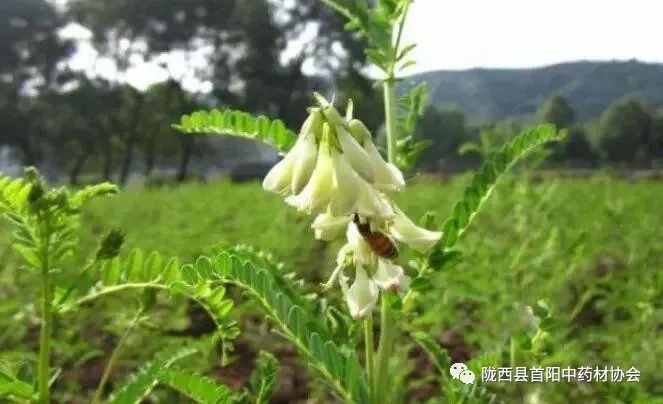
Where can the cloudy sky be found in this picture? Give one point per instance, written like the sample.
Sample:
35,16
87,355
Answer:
461,34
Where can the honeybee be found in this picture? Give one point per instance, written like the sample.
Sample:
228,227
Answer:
379,242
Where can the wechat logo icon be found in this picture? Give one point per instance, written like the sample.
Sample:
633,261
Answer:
461,372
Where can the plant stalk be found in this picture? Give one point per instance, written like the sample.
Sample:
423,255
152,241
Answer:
384,352
370,360
114,357
46,331
43,372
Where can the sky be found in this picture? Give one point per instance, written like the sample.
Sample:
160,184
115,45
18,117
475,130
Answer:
462,34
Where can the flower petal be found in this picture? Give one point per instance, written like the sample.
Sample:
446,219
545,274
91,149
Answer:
315,196
390,277
403,230
362,250
362,296
346,187
327,227
355,154
304,164
387,176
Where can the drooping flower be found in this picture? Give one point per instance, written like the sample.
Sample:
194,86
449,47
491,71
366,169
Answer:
362,296
305,163
363,253
317,193
373,204
387,176
295,169
356,155
403,230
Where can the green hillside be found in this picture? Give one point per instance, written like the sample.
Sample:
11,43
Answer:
486,94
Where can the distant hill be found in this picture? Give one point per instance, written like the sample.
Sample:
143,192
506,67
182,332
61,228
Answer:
489,94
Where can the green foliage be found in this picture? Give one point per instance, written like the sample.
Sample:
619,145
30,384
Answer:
264,377
558,112
376,24
625,131
12,387
241,124
141,384
338,366
199,388
410,110
485,180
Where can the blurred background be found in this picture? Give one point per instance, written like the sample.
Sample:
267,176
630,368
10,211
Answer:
89,90
106,80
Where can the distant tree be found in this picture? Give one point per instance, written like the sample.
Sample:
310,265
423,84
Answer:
625,129
656,146
446,129
557,111
30,53
576,150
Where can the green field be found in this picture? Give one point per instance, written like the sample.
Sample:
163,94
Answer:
591,248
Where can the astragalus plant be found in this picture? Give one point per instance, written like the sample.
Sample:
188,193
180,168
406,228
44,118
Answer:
334,172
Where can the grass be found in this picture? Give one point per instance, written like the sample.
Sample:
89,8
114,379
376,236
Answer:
591,248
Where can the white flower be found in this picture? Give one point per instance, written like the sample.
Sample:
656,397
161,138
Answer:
356,155
317,193
346,186
328,227
363,252
291,173
307,156
403,230
390,277
387,176
362,296
373,204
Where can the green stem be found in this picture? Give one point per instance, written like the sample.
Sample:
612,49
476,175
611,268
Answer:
384,352
73,284
43,373
390,116
43,370
370,361
114,356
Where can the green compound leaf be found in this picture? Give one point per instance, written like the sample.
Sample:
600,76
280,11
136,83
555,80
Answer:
139,273
241,124
264,377
199,388
298,323
485,180
142,383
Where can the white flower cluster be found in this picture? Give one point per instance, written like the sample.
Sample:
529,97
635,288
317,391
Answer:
334,171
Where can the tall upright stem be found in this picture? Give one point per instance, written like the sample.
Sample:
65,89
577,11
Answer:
370,361
43,371
390,116
386,316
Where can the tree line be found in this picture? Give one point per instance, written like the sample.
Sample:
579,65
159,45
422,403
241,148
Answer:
77,124
629,133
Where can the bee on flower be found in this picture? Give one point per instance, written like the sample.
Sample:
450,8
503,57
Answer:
335,172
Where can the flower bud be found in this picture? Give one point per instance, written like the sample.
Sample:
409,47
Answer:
388,177
362,296
110,244
346,186
403,230
317,193
304,163
355,154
